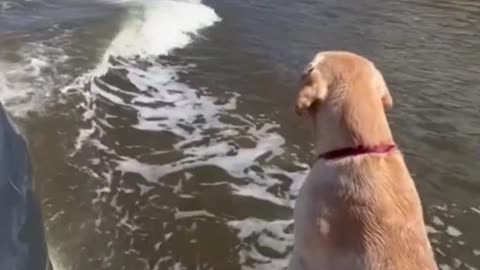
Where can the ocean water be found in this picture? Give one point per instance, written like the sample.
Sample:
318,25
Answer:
163,132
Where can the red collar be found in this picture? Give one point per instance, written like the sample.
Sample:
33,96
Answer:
355,151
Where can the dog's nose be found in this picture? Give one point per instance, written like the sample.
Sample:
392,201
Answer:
300,108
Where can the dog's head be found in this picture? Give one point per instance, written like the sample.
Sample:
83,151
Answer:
342,90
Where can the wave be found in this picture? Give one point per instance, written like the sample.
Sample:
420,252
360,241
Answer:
133,89
161,27
25,85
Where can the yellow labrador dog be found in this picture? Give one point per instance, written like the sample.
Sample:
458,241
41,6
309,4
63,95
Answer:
358,208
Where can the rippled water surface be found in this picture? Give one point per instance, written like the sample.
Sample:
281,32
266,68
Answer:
163,134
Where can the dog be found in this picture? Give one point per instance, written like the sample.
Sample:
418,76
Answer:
358,208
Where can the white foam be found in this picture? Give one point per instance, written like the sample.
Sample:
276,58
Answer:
153,28
265,234
188,105
444,267
452,231
431,230
437,221
164,26
27,84
190,214
185,106
161,28
476,210
469,267
6,5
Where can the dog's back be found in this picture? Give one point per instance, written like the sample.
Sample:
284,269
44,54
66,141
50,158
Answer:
366,215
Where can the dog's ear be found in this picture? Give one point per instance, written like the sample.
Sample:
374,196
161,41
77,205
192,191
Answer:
313,90
385,92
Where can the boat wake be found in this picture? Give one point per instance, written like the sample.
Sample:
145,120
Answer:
155,143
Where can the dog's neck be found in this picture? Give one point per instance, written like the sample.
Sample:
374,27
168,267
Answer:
332,133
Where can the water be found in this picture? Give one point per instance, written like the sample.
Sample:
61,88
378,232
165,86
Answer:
163,132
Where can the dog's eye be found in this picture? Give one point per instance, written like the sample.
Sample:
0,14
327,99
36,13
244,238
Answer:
307,71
